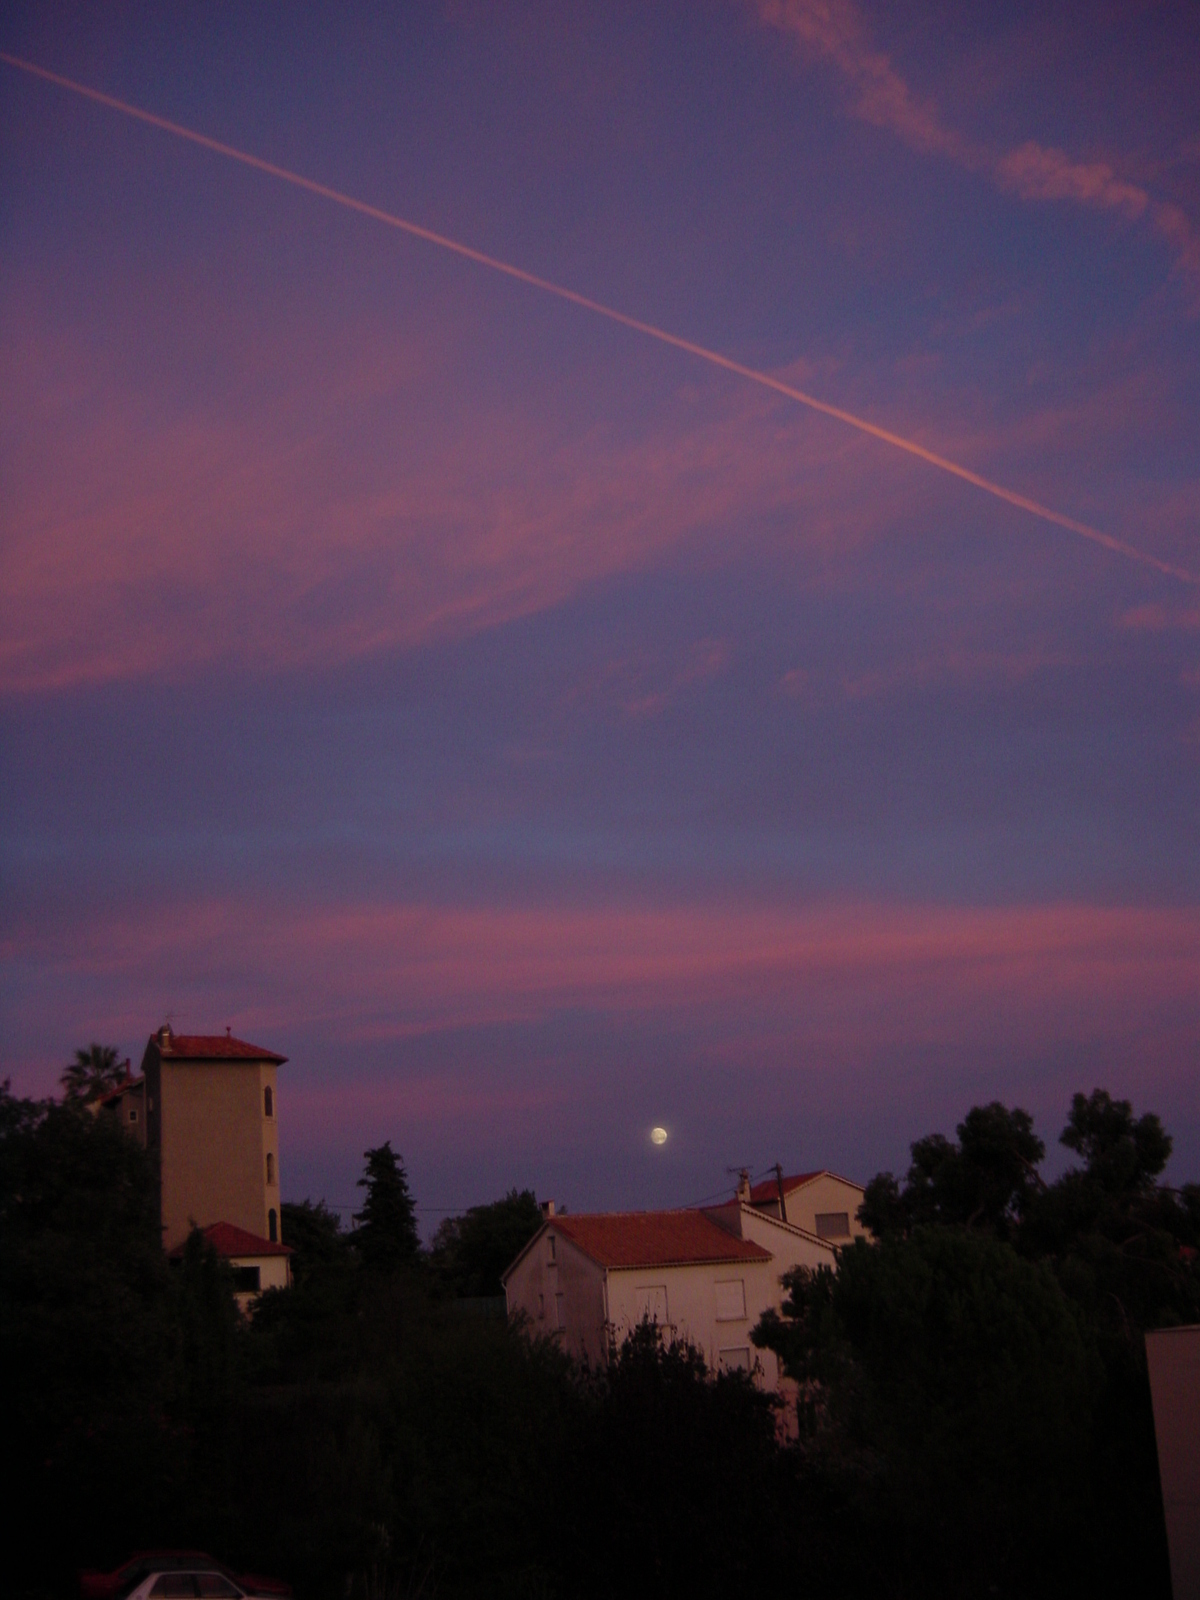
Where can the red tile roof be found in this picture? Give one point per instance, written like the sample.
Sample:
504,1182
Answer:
212,1047
655,1239
770,1189
233,1242
127,1083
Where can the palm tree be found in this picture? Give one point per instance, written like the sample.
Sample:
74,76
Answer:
94,1071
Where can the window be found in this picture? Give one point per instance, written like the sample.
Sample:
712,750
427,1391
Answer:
247,1280
272,1226
560,1320
215,1587
550,1246
268,1101
833,1224
652,1302
735,1360
133,1114
731,1300
173,1586
270,1167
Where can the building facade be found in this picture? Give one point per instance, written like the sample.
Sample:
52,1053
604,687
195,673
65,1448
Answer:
703,1276
211,1125
819,1202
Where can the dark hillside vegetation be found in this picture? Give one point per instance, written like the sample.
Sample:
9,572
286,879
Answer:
974,1413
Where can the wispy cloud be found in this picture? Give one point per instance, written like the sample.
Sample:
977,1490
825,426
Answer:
145,536
836,32
407,969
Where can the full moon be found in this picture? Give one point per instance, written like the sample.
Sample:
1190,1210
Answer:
658,1136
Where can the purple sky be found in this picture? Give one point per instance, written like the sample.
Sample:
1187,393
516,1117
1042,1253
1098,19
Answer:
537,733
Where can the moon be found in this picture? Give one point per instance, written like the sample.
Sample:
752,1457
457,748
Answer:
658,1136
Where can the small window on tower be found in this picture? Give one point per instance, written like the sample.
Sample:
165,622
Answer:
269,1101
133,1114
270,1167
272,1226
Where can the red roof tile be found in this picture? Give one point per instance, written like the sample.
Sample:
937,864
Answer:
656,1239
770,1189
233,1242
211,1047
127,1083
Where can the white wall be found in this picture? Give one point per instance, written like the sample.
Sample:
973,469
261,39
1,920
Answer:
560,1290
826,1195
565,1293
691,1311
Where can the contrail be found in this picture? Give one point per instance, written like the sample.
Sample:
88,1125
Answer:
701,352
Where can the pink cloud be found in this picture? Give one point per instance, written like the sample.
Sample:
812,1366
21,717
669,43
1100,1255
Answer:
858,973
1156,618
1036,173
142,539
835,31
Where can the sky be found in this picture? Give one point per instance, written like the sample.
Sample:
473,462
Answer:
536,731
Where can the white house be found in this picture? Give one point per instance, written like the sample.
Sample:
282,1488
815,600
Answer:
819,1202
704,1275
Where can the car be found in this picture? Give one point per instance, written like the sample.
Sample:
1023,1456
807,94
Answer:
178,1575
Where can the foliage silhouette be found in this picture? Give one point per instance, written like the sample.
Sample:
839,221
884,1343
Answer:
974,1411
386,1237
470,1252
94,1072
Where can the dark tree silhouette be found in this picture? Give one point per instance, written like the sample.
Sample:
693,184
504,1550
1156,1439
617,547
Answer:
1119,1154
470,1252
386,1237
984,1181
94,1071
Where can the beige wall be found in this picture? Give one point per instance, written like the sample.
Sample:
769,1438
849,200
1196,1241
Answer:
1174,1359
826,1195
560,1290
789,1246
700,1306
213,1138
129,1112
274,1272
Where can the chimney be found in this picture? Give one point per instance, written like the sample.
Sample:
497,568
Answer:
164,1036
547,1209
743,1188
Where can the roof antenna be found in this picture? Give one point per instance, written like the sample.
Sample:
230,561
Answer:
743,1183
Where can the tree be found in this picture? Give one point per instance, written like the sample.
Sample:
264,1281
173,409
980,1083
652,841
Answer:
94,1072
86,1338
984,1181
949,1387
470,1252
386,1237
1124,1245
1120,1155
676,1476
314,1236
1123,1248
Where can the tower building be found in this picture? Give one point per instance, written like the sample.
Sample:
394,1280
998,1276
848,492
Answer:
210,1125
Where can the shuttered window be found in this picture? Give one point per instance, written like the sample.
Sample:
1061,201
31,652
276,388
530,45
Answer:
731,1300
652,1302
833,1224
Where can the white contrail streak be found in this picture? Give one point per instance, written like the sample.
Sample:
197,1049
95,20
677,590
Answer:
701,352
